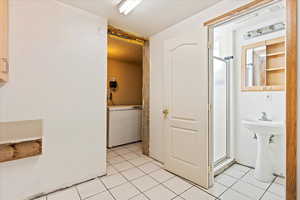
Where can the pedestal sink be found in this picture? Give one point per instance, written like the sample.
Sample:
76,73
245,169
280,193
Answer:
264,131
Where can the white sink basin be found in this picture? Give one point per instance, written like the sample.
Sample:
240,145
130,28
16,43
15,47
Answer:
264,127
264,132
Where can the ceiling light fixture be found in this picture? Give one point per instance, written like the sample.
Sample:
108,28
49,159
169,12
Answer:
126,6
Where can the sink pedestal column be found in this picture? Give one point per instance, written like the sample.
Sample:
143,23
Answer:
263,169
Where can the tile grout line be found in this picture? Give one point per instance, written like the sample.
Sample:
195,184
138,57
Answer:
107,189
149,160
238,180
192,184
75,187
280,185
148,174
137,167
141,192
162,183
65,188
118,172
267,189
257,186
128,160
227,188
95,194
260,188
206,191
184,192
199,187
189,182
97,178
128,181
176,195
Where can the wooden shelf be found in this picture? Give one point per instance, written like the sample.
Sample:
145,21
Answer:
275,69
20,140
276,54
264,88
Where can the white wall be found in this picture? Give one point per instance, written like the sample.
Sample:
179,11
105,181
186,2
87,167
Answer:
192,25
58,74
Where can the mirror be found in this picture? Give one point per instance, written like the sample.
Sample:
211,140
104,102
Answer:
255,66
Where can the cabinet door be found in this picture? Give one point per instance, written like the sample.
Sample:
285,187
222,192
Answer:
4,67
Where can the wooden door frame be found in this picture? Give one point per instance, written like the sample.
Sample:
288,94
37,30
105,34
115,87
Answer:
131,38
291,83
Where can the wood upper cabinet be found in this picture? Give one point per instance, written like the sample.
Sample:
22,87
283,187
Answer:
4,65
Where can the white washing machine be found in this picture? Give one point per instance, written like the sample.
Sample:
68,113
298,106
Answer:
124,124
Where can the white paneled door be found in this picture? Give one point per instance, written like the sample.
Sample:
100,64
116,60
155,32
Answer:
186,135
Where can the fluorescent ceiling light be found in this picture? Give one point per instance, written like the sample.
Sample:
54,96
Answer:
126,6
115,2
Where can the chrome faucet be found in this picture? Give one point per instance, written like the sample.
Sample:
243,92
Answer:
264,117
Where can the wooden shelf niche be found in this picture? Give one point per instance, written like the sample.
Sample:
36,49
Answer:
269,74
276,62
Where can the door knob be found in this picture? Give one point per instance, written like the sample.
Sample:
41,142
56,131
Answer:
165,112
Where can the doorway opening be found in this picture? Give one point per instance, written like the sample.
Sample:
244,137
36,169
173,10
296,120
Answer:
124,97
127,89
247,93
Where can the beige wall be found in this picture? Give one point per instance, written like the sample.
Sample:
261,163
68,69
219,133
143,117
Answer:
129,78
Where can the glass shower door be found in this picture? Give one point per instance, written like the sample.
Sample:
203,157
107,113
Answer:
220,108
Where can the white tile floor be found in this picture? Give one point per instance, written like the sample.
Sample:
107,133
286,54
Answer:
131,175
241,185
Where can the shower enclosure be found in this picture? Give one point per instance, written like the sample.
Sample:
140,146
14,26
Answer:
220,107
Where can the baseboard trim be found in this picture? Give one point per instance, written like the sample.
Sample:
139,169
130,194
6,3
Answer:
36,196
223,166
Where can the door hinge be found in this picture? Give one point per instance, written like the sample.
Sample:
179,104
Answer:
209,107
210,169
210,44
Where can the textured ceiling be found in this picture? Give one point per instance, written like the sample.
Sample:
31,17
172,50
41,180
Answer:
124,51
150,17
